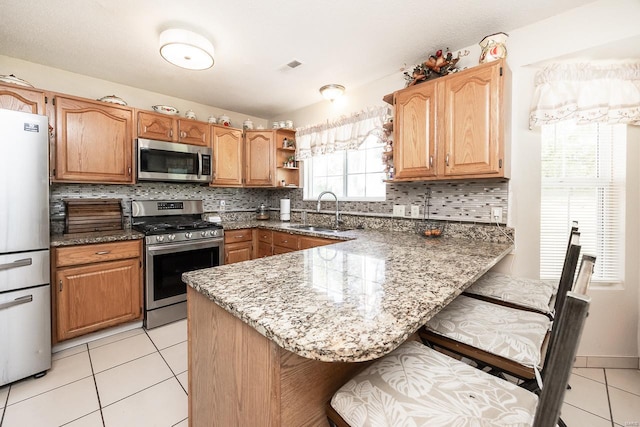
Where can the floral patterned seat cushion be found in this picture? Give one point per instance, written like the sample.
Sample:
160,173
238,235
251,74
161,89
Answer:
511,333
417,386
529,293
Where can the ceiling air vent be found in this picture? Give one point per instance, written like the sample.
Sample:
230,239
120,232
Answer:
293,64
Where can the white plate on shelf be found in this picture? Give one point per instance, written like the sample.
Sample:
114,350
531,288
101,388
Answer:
112,99
14,80
165,109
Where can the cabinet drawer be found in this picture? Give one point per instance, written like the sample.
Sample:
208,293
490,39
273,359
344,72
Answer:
265,236
235,236
87,254
285,240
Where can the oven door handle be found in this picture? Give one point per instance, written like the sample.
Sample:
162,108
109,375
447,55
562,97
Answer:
184,246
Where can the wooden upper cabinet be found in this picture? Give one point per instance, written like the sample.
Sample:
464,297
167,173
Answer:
414,127
227,156
472,122
23,99
193,132
94,141
453,127
259,158
156,126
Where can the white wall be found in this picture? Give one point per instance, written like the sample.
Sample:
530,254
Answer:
57,80
613,327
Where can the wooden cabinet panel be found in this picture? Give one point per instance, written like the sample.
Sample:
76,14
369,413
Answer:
156,126
265,236
285,240
264,250
227,156
193,132
259,158
307,242
96,296
21,99
235,236
87,254
414,127
237,252
453,127
471,116
277,250
94,141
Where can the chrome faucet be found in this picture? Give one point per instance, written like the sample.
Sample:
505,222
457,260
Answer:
338,220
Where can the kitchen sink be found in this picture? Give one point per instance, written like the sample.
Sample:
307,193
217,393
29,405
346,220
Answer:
319,229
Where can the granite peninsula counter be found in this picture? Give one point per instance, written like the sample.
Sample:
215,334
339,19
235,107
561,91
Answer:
271,339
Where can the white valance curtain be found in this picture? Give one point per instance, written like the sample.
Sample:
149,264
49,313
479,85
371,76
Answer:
346,133
587,93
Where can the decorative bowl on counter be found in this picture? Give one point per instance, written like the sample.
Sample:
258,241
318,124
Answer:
15,80
113,100
165,109
430,229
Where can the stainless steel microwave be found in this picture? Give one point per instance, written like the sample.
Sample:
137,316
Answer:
171,161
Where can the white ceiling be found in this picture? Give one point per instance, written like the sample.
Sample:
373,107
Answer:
350,42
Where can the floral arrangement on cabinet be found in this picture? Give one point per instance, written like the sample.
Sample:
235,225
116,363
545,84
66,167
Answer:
437,65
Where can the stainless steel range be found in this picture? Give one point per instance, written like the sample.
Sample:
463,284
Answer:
177,240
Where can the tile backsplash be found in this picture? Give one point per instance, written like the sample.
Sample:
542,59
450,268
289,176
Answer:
461,201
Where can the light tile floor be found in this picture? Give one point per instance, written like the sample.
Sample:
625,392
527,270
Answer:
139,378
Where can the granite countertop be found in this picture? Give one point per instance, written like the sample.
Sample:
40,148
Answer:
59,240
351,301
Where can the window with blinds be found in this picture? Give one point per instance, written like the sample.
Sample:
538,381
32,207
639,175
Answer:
583,180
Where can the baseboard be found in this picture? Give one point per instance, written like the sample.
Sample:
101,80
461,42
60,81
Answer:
614,362
95,336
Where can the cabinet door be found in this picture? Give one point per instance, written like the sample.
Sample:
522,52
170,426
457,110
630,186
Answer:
97,296
264,250
94,141
472,131
193,132
306,242
415,139
156,126
22,99
259,157
237,252
227,157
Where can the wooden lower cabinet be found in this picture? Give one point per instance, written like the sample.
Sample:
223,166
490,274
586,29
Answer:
307,242
237,377
238,245
92,294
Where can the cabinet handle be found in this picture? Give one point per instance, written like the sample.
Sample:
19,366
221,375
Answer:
269,176
430,161
284,241
238,237
500,161
60,286
129,171
103,252
446,160
170,133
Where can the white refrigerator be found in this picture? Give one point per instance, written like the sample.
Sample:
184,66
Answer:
25,307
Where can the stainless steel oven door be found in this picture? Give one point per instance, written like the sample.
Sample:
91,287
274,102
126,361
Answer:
166,263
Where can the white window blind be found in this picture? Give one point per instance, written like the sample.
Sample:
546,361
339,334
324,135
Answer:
583,180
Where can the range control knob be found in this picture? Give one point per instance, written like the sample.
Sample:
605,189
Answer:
203,234
171,237
188,235
159,238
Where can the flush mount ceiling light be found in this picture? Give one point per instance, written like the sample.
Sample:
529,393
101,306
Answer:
186,49
332,91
